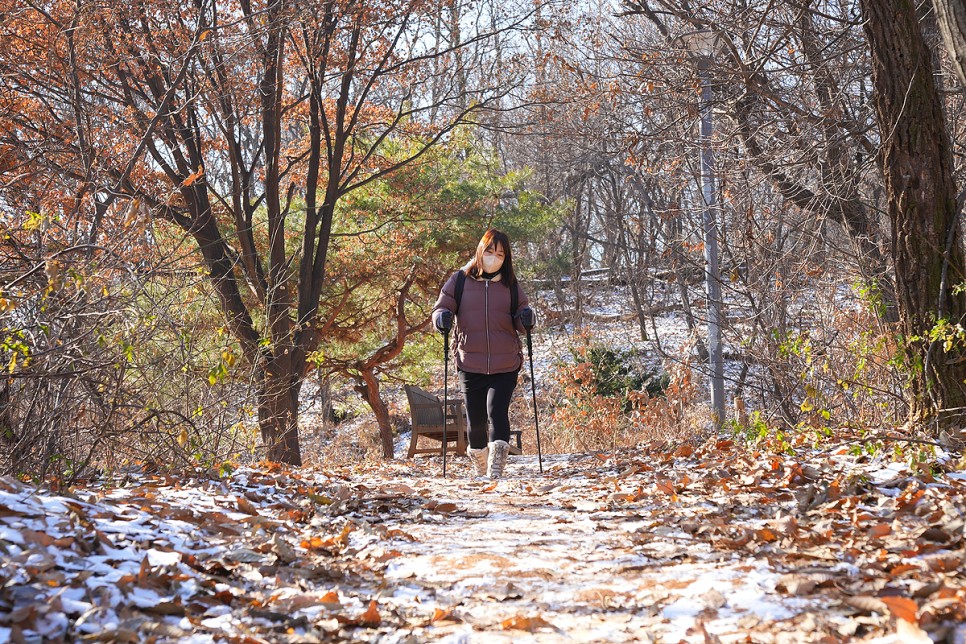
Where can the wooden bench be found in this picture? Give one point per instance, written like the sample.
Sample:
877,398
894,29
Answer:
426,411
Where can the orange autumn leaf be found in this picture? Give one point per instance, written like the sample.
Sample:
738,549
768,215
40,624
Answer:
909,498
194,176
331,597
371,616
902,608
766,535
312,543
521,623
440,614
902,568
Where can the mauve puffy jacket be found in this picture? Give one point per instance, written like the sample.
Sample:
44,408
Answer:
485,335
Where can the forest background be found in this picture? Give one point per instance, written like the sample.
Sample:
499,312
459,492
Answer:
210,210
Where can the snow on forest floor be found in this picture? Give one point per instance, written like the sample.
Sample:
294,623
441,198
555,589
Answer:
696,544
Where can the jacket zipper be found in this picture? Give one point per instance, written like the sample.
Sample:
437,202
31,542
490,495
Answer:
486,317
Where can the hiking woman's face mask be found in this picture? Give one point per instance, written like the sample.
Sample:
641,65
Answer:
493,259
492,263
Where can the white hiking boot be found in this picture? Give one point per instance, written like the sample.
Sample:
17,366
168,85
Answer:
499,450
478,458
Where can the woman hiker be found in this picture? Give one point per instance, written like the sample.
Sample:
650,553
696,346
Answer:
490,309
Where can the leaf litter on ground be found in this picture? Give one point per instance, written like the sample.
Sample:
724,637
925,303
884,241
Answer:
696,543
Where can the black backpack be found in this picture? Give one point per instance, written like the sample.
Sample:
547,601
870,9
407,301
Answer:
458,295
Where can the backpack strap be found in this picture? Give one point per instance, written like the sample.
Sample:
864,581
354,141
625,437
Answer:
458,293
514,299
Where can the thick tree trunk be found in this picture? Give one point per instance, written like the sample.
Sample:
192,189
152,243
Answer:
278,400
926,234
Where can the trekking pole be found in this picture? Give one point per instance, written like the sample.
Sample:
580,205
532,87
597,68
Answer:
445,392
533,384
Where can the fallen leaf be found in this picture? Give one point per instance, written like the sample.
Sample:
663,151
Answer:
902,608
667,487
766,535
867,604
944,561
909,498
528,624
880,530
386,556
246,506
440,615
902,569
796,584
371,616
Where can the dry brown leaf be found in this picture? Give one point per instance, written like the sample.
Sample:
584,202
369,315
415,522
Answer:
796,584
623,496
868,604
396,533
944,561
739,542
400,488
667,487
935,534
144,572
880,530
528,624
246,506
37,538
785,526
386,556
445,508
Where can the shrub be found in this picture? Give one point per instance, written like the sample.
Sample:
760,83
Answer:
604,398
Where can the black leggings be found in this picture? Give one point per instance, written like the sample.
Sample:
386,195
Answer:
487,398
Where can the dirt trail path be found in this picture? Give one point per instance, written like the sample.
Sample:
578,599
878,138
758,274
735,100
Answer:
594,552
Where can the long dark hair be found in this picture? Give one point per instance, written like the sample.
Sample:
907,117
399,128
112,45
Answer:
494,237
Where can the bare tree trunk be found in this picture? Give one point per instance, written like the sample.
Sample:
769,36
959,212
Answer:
369,389
951,17
926,233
